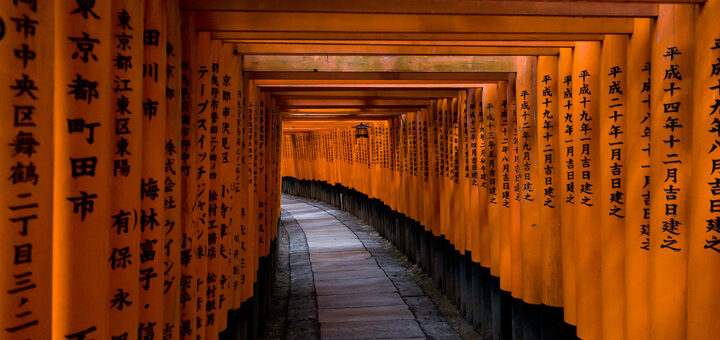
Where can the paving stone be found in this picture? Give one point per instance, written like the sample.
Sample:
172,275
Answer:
350,274
342,256
335,248
395,312
349,284
318,241
369,330
344,266
363,285
359,300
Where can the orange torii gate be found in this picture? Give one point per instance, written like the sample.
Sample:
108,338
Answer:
147,143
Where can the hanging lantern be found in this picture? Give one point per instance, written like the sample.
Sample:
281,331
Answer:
362,131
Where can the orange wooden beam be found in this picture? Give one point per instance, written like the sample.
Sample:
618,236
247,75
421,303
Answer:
399,23
349,49
377,63
378,76
355,84
486,43
418,36
560,8
321,120
355,102
347,110
371,94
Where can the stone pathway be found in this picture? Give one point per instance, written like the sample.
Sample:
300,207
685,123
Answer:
360,291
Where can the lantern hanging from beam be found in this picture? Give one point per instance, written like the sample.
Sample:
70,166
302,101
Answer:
362,131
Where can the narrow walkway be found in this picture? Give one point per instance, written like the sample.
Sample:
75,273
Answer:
361,292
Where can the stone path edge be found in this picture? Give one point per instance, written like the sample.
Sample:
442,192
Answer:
432,322
302,315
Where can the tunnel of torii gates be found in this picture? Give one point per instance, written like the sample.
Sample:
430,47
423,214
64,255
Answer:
571,149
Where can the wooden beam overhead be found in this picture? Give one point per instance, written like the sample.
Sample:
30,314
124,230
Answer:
355,102
389,90
319,35
487,43
356,84
354,107
332,121
447,64
430,80
371,94
293,130
606,8
377,76
346,110
348,49
324,119
403,23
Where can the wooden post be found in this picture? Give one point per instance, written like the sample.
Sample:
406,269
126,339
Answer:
480,227
586,131
173,173
214,188
548,151
188,169
152,194
505,186
613,71
83,127
492,110
200,85
128,20
26,202
516,277
703,304
527,127
671,99
568,189
637,183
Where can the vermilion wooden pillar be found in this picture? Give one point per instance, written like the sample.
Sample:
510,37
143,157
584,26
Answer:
152,194
548,150
201,111
568,189
251,97
483,232
173,172
476,218
530,190
586,148
434,168
230,144
26,202
703,303
492,109
188,169
420,180
637,181
425,199
516,277
445,182
504,176
81,210
464,239
613,71
213,219
127,141
474,150
673,50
